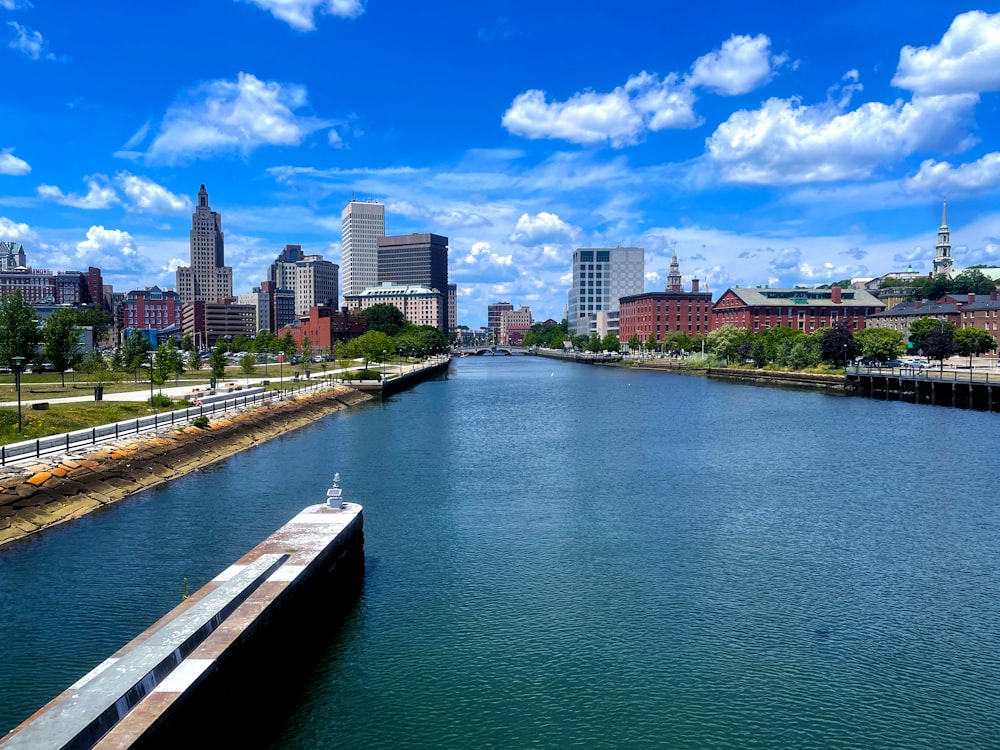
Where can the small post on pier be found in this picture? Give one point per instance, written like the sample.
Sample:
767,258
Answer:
333,495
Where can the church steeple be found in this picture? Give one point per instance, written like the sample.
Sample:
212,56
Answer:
674,278
942,251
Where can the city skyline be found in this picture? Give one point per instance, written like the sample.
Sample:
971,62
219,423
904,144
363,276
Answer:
776,146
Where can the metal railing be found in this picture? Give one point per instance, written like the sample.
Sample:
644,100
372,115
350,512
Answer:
93,435
950,374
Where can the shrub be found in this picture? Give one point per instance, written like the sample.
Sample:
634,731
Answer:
201,422
160,400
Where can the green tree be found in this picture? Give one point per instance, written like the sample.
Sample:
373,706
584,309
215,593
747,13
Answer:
372,346
134,353
880,344
97,319
386,318
931,287
725,341
286,344
973,342
19,333
265,342
307,349
97,369
634,343
187,343
610,343
651,342
61,341
194,361
217,360
248,362
921,328
166,362
594,343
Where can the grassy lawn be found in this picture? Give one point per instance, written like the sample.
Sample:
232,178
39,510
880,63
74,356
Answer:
68,417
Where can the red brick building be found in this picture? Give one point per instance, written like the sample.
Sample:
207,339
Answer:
149,308
325,326
658,313
802,309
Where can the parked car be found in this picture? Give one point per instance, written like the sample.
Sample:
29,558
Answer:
892,363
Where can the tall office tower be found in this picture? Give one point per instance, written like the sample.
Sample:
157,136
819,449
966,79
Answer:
942,251
207,279
602,276
417,259
314,281
361,225
452,308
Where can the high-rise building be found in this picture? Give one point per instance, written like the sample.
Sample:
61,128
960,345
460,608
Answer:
417,259
452,308
208,278
313,280
602,276
514,324
361,225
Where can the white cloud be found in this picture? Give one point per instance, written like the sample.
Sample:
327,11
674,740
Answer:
480,253
941,178
966,61
334,139
742,64
232,117
29,42
98,195
14,4
111,250
11,165
299,13
146,196
646,101
12,230
785,142
540,229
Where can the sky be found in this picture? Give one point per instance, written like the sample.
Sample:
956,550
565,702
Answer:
765,143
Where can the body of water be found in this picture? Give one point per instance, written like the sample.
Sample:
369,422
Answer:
569,556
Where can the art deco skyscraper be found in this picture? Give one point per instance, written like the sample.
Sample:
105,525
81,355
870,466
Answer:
361,224
207,279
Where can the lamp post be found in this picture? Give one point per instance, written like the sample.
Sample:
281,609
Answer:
18,362
151,354
281,374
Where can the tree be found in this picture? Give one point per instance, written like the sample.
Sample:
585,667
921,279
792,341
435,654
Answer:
973,341
931,287
217,360
594,343
678,341
194,361
307,349
187,343
974,281
651,342
95,367
371,346
386,318
247,363
134,354
610,343
880,344
921,328
97,318
286,344
725,341
634,343
837,344
167,361
19,334
940,344
61,341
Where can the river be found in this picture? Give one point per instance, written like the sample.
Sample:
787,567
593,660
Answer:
562,555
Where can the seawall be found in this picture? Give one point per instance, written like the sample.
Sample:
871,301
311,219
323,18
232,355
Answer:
209,673
46,492
803,380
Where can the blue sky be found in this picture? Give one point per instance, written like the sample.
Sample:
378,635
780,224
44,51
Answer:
767,143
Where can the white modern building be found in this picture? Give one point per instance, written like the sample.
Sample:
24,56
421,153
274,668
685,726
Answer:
312,280
362,223
602,276
261,302
208,278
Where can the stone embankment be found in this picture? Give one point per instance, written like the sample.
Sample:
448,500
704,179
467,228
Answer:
50,491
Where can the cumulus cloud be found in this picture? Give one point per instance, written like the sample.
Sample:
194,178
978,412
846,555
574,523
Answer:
786,142
15,231
299,14
941,178
232,117
99,195
742,64
967,60
11,165
645,101
146,196
108,249
540,229
29,43
480,253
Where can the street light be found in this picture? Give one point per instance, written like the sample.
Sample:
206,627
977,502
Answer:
18,361
151,353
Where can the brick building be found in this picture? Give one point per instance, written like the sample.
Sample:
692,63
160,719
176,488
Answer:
659,313
325,326
804,310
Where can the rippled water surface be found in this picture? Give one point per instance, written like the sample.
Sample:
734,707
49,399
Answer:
571,556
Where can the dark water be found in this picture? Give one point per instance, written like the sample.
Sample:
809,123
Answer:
571,556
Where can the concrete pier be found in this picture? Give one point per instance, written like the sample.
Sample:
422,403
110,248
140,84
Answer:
158,689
